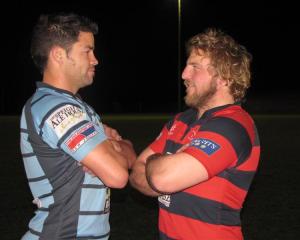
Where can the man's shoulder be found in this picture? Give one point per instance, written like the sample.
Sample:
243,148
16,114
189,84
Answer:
234,112
45,104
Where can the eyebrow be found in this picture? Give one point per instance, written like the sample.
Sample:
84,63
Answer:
89,47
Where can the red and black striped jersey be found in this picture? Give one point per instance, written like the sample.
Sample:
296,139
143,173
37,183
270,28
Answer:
226,142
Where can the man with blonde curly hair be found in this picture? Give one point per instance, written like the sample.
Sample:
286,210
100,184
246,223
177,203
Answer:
202,163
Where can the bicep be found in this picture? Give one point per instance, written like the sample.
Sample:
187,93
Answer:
104,161
173,173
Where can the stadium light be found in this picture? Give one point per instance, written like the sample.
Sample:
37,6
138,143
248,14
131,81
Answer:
179,56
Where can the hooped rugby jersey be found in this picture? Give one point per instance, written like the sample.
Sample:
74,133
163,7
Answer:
58,130
226,142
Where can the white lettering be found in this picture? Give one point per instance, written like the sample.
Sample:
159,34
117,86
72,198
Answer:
64,118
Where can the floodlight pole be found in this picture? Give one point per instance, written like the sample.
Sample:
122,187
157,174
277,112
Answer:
179,57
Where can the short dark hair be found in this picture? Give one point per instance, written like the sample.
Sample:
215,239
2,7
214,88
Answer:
57,29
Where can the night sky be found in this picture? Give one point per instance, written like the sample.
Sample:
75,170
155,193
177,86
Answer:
137,46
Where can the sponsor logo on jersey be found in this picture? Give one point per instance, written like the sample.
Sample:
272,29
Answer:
165,200
81,136
205,145
65,117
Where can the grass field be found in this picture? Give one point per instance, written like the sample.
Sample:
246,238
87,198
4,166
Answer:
271,211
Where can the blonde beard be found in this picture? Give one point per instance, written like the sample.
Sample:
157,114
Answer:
201,100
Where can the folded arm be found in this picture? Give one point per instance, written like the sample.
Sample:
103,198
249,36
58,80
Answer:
138,174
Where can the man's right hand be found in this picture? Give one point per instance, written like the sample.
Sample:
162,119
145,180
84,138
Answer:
111,133
125,147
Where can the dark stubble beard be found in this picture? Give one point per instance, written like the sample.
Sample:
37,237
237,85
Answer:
201,100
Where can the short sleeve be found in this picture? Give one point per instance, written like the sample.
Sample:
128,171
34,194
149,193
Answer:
68,127
220,144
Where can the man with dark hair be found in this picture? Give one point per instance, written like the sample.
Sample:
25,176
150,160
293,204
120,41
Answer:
63,139
202,163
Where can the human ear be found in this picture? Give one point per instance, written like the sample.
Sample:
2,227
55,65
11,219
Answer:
56,54
223,82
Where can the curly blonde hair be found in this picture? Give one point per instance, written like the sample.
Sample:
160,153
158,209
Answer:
230,60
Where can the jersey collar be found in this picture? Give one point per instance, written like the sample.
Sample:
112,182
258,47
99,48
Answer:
45,85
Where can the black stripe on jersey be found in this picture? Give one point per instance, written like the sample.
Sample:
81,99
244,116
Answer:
37,179
169,124
35,101
93,186
43,209
23,130
171,146
188,117
67,133
256,139
93,237
27,155
92,212
202,209
163,236
241,179
45,195
234,132
52,110
34,232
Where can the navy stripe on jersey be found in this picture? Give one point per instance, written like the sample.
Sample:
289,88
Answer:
45,195
23,130
163,236
240,140
92,212
203,209
27,155
169,124
67,133
241,179
43,209
171,146
58,90
40,98
188,117
37,179
93,186
34,232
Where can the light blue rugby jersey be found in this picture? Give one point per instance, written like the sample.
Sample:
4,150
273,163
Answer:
57,131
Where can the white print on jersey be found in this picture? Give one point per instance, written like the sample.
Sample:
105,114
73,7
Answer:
65,117
171,132
205,145
165,199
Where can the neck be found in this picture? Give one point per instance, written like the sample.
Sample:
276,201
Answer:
216,101
57,81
